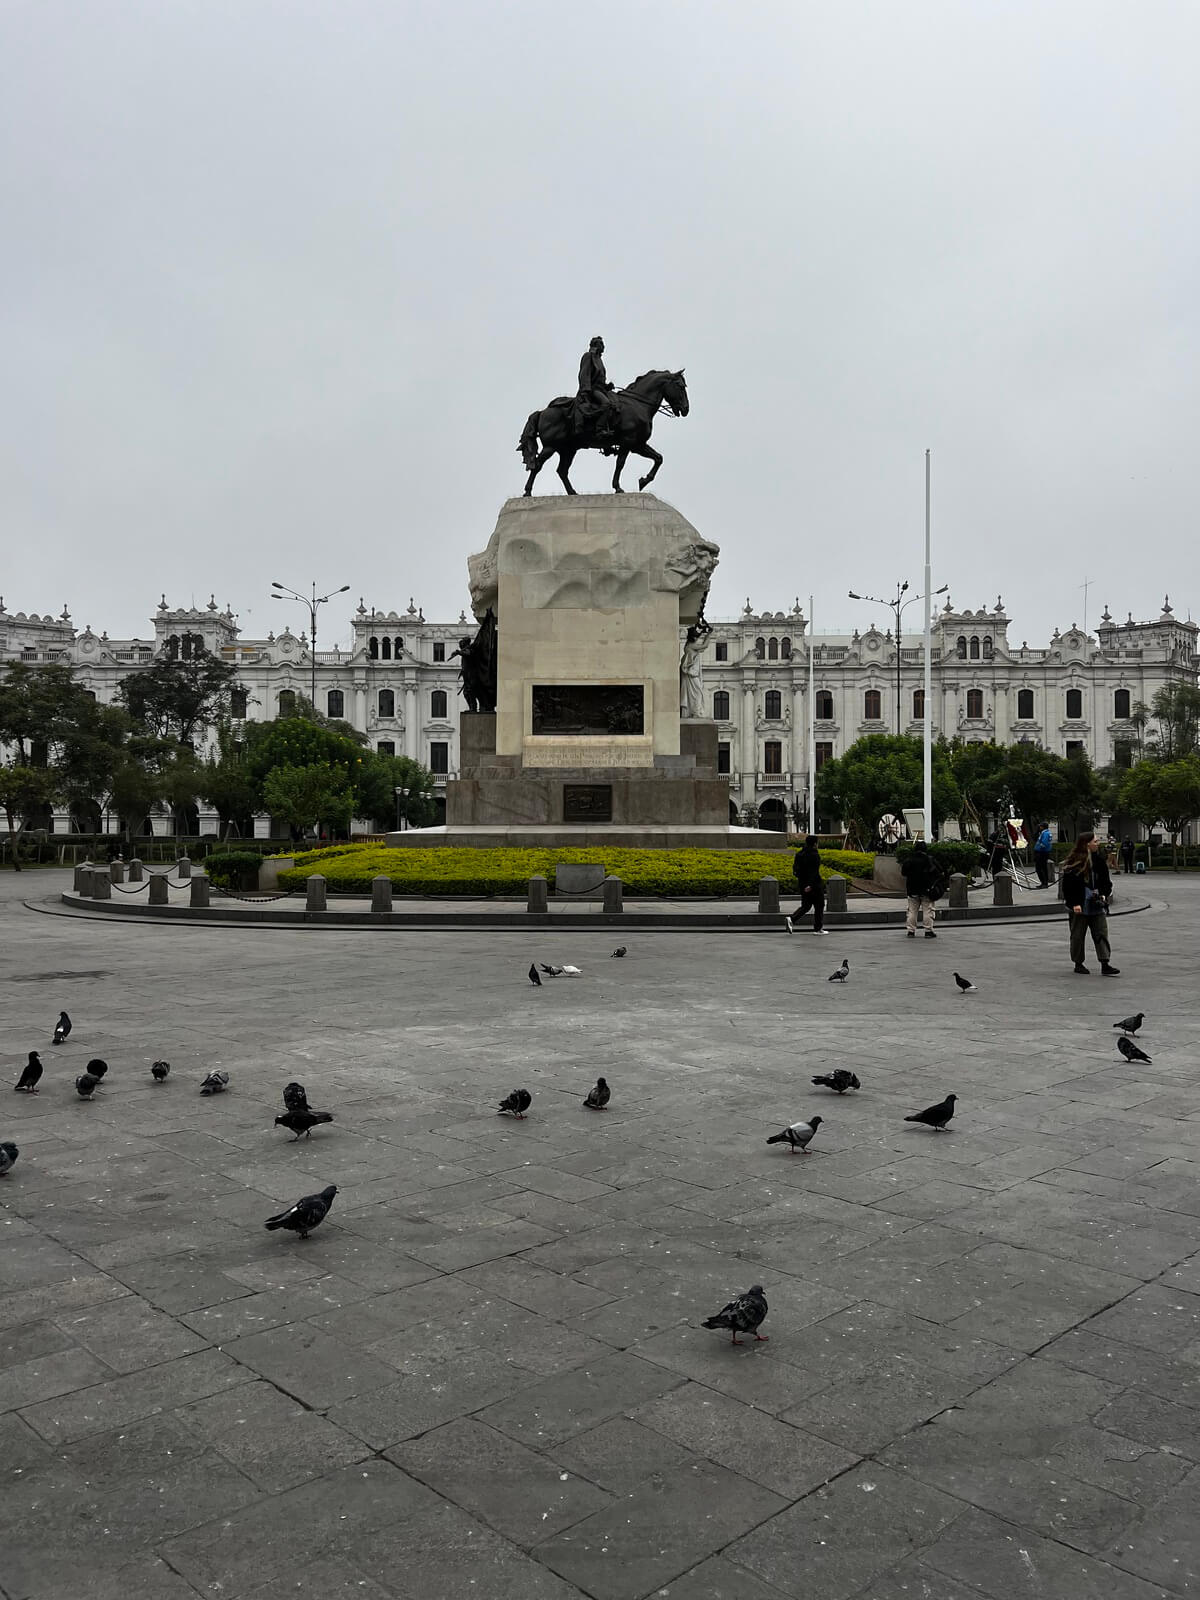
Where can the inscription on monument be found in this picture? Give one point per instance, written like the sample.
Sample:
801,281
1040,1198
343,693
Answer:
589,709
587,802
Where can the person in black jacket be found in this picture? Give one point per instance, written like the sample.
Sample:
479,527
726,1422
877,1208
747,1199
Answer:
806,868
1086,887
920,875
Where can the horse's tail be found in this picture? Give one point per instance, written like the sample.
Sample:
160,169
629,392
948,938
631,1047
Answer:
528,446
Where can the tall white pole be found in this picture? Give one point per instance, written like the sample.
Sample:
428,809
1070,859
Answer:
927,752
812,726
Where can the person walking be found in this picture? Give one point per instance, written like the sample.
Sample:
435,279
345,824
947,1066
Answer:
1126,854
806,868
920,879
1086,887
1041,855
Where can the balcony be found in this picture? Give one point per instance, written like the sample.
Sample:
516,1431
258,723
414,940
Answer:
773,780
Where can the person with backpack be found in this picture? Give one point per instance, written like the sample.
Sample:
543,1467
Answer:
923,880
806,868
1086,889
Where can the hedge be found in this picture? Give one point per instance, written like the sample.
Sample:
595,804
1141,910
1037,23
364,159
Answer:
952,855
645,873
234,869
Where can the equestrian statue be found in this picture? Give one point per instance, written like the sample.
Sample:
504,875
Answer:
617,421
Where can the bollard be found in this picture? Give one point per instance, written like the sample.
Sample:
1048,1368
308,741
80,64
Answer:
183,867
136,873
82,883
199,894
536,894
101,884
381,894
116,871
315,893
160,891
1002,889
835,893
957,893
768,897
614,897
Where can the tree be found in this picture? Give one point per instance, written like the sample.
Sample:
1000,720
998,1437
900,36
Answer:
1166,792
309,795
178,699
1176,710
884,772
978,770
23,790
376,791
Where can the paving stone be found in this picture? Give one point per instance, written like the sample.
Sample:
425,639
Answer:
437,1392
275,1441
119,1401
274,1307
546,1412
1153,1421
309,1365
128,1334
29,1341
718,1579
619,1454
1157,1317
45,1300
58,1372
1162,1542
179,1284
327,1578
547,1294
866,1412
1172,1377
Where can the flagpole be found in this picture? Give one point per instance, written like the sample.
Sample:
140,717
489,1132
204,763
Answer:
812,727
927,752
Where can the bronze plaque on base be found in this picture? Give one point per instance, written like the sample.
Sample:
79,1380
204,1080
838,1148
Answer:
587,802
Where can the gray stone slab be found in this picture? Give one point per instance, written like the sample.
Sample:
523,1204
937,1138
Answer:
276,1442
128,1334
557,1408
439,1391
333,1577
866,1412
315,1369
718,1579
619,1454
118,1401
56,1373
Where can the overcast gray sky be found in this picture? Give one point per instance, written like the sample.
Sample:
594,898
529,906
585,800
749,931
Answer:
281,281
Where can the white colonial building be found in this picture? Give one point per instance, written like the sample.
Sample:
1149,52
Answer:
396,681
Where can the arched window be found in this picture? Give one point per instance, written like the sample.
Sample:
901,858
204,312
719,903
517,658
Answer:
1074,704
772,649
760,648
918,705
773,705
1024,705
287,702
1121,703
373,648
335,703
397,648
785,649
237,703
974,647
975,704
773,756
721,706
386,650
824,705
960,649
437,704
988,648
872,705
387,701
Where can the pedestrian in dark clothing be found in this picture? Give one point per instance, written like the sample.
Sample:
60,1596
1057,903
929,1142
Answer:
1127,854
1041,855
920,874
1086,887
997,850
806,868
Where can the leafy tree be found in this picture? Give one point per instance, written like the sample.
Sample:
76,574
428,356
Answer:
1176,710
300,742
978,770
309,795
884,772
179,699
381,776
40,706
23,790
1163,791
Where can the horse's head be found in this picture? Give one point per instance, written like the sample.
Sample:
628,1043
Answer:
675,395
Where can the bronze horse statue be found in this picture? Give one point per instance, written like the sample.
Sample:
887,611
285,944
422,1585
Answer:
636,406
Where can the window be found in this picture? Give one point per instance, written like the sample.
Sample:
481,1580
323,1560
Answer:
237,703
824,705
386,747
773,705
974,647
437,703
1121,703
772,649
1123,754
721,650
723,756
721,706
872,705
287,702
760,648
386,650
785,649
918,705
439,650
335,703
988,648
1074,747
373,648
824,752
975,704
439,756
1024,705
1074,704
773,756
960,649
397,648
387,701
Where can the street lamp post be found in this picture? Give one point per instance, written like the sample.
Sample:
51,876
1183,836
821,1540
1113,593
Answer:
402,808
897,607
311,602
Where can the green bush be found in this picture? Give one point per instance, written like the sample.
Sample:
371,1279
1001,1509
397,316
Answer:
952,855
234,869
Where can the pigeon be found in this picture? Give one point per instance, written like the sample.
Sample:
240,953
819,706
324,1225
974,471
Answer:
302,1121
620,951
533,975
62,1027
215,1083
840,1080
743,1315
159,1070
598,1098
97,1068
964,984
560,972
31,1072
517,1102
86,1085
798,1136
842,973
8,1154
935,1117
1131,1051
295,1097
306,1214
1131,1024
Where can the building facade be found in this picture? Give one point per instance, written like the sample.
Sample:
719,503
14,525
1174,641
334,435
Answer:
396,681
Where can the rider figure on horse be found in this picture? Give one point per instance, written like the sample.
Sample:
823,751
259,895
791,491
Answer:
596,410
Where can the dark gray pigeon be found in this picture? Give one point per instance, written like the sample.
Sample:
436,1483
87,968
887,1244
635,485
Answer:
159,1070
839,1080
215,1083
743,1315
1131,1051
306,1214
86,1085
533,975
598,1098
303,1121
620,951
965,985
798,1136
517,1102
935,1117
295,1097
8,1154
842,973
31,1074
1131,1024
62,1027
